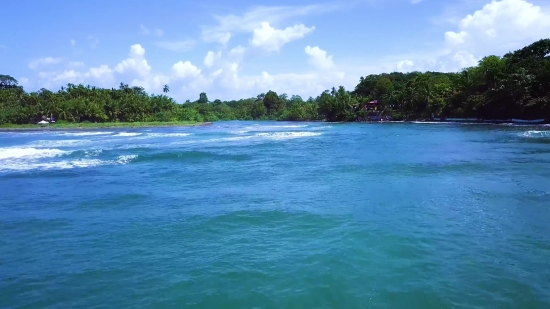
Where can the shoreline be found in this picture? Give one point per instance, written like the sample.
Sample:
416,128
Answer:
96,126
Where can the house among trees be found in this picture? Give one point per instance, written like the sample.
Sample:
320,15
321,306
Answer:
373,112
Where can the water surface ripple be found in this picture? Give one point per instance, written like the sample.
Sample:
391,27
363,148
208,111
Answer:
276,215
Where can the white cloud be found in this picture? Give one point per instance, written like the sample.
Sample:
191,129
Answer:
217,73
465,59
319,57
227,25
405,66
177,46
101,72
136,62
455,38
211,58
499,27
43,61
492,29
185,70
73,42
271,39
146,31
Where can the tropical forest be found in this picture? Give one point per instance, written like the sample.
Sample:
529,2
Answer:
516,85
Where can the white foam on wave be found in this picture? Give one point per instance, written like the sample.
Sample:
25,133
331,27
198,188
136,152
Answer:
287,135
125,159
536,134
59,143
168,134
93,152
25,165
85,133
127,134
275,127
29,153
257,136
239,132
320,128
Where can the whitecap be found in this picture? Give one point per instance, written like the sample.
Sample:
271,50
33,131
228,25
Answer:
256,137
168,134
65,164
30,153
93,152
59,143
127,134
275,127
125,159
287,135
24,165
536,134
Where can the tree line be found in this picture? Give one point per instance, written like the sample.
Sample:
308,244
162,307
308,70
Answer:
516,85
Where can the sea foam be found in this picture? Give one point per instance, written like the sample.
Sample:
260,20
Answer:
30,153
127,134
536,134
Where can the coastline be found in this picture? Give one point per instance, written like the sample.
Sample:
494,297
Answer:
100,125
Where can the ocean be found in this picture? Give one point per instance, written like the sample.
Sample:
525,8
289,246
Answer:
276,215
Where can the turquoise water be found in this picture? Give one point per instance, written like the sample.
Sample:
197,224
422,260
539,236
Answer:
276,215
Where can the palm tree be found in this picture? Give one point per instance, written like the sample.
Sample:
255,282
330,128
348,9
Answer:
165,89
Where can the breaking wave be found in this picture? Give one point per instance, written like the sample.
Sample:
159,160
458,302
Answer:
60,143
536,134
125,134
278,136
29,153
168,134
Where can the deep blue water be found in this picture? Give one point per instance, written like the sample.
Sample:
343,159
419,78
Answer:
276,215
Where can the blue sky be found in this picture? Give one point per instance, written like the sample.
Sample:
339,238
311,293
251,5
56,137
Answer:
239,49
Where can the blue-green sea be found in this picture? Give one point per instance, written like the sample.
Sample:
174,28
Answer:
276,215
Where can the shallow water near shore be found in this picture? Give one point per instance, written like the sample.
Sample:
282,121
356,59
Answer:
276,215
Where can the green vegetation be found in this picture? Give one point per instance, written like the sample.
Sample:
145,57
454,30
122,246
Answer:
516,85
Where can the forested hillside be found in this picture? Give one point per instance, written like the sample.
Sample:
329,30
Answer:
516,85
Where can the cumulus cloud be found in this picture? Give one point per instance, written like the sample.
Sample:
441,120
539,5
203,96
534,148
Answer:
101,72
319,57
271,39
136,62
103,75
185,70
500,26
465,59
44,61
211,58
405,66
493,29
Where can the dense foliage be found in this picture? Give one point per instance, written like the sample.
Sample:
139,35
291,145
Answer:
516,85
